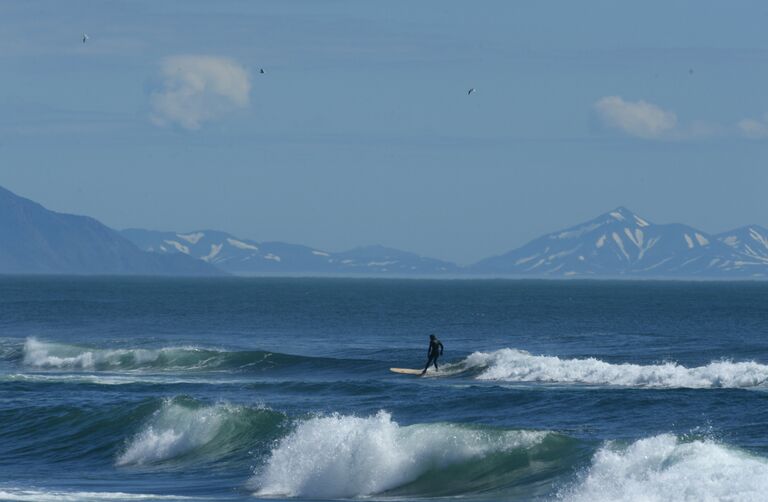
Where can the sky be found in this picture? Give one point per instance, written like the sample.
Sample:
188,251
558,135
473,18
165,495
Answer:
361,129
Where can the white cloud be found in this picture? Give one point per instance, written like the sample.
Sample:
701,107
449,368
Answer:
754,129
638,118
196,89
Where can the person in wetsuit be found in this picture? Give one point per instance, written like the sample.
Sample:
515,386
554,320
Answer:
435,350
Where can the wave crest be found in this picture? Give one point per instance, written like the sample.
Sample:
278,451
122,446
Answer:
182,428
664,468
347,456
41,354
512,365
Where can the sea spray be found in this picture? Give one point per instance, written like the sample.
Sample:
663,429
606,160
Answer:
513,365
62,356
348,456
665,468
184,428
40,354
38,495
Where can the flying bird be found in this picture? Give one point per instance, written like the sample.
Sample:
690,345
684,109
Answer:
470,91
85,37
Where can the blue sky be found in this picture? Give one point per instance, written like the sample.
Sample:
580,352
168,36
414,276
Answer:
361,131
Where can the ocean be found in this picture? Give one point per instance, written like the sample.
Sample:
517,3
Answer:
280,389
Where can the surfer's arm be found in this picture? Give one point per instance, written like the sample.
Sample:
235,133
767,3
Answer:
441,348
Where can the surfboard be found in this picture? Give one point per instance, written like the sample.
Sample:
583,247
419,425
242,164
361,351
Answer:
405,371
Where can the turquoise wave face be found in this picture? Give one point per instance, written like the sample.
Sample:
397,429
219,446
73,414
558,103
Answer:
348,456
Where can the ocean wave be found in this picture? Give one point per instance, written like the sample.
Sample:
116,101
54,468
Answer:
182,428
118,379
173,431
666,468
49,355
39,495
348,456
511,365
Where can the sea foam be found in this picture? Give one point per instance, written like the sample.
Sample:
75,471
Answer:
177,429
41,354
513,365
665,468
348,456
38,495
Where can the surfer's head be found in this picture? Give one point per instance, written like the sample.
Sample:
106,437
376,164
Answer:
432,337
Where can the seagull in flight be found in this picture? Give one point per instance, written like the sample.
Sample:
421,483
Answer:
85,37
470,91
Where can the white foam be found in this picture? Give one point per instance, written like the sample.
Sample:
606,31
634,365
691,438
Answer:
113,379
41,354
347,456
512,365
174,430
38,495
664,468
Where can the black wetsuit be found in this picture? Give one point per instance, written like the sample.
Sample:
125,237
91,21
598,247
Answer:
435,350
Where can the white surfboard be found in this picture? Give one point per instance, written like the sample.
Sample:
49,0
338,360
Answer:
405,371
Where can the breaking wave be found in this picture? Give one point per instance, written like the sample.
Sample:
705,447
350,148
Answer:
348,456
666,468
182,429
38,495
339,456
510,365
48,355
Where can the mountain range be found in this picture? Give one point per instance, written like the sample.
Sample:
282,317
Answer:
246,257
620,243
34,240
617,244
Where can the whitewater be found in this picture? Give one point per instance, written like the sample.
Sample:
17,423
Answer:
279,389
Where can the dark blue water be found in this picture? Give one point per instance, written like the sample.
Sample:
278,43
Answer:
126,389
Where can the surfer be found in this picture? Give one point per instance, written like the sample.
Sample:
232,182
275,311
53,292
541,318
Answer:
435,350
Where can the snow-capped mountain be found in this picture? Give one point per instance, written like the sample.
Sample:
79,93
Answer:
35,240
621,243
613,245
383,259
246,257
751,241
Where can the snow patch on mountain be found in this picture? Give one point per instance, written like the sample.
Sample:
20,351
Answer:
241,245
620,243
215,250
178,245
191,238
